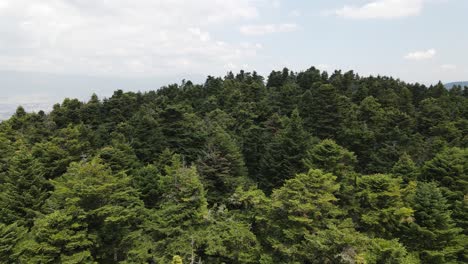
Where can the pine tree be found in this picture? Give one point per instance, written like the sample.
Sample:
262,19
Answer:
283,157
226,238
10,237
221,166
91,214
303,206
24,189
119,156
433,232
6,152
183,131
405,168
381,205
147,180
324,112
59,237
306,106
450,169
389,252
181,211
330,157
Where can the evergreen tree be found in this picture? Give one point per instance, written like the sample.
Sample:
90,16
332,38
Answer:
405,168
119,156
389,252
303,206
305,106
10,237
59,237
450,169
221,166
183,131
324,112
6,152
181,212
23,189
433,233
330,157
283,157
381,205
91,214
147,180
226,239
99,181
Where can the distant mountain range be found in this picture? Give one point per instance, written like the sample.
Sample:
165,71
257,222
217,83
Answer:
450,85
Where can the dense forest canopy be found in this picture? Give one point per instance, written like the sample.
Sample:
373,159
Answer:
304,167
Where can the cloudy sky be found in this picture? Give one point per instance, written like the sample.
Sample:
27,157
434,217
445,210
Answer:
51,49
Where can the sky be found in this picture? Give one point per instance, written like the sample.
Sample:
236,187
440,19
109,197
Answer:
52,49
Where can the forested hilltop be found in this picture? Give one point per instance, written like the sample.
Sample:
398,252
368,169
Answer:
297,168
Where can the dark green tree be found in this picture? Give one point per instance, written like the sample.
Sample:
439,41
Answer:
405,168
433,233
221,166
382,209
283,155
324,112
181,212
330,157
10,237
303,211
91,214
23,189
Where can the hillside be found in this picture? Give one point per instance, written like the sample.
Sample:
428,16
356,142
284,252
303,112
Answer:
450,85
298,167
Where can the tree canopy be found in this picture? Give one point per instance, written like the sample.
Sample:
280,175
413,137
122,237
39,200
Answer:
299,167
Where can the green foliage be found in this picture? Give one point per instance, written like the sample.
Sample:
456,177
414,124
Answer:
176,260
10,238
284,154
181,212
91,211
226,236
330,157
433,233
381,205
304,205
59,237
389,252
6,151
324,110
303,167
119,157
221,166
450,169
405,168
147,180
23,189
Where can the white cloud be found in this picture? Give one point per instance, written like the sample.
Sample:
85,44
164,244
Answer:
448,67
276,3
295,13
421,55
120,37
253,30
383,9
204,36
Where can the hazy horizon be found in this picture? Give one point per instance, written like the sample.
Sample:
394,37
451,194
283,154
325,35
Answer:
51,50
